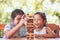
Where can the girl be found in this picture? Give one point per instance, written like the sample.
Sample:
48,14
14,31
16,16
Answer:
40,26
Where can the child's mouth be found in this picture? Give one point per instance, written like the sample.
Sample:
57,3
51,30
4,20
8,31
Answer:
37,24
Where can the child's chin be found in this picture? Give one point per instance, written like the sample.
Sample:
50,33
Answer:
37,26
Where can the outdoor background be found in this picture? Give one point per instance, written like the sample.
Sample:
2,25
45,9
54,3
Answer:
50,7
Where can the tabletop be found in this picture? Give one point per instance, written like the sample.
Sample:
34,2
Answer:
32,39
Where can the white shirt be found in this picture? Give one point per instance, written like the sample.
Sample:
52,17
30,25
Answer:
43,31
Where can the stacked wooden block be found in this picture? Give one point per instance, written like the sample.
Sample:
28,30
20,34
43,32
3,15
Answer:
30,28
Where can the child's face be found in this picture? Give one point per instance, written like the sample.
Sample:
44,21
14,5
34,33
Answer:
38,21
17,19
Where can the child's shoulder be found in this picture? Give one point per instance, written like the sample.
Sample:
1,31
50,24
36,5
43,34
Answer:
10,24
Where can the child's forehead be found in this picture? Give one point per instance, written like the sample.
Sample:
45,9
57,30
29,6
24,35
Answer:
19,16
37,15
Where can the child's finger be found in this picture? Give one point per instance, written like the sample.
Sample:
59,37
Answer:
22,17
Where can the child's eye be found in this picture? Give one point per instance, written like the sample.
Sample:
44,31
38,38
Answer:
18,19
39,19
36,19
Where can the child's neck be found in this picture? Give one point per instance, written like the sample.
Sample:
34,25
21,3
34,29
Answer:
38,29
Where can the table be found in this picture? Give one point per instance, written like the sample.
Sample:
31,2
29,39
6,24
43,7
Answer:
24,38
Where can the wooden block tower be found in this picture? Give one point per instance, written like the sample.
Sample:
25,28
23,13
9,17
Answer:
30,28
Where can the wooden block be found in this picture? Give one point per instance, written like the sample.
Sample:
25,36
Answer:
30,36
2,26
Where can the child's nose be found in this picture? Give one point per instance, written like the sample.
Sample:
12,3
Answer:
36,20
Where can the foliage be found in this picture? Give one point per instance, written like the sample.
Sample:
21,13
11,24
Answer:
50,7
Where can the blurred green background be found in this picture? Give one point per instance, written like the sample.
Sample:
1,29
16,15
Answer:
50,7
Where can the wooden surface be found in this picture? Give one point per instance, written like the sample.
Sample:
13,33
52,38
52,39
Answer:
33,39
54,27
2,26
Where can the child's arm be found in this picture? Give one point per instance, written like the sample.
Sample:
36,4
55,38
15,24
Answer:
11,32
50,33
38,36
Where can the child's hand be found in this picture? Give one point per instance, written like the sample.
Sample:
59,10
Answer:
38,36
22,21
26,18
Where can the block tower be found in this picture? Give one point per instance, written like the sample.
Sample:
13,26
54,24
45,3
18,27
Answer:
30,28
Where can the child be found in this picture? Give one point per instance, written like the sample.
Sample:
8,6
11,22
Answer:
40,26
16,27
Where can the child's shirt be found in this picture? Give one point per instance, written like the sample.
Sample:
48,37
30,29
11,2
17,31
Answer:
21,32
43,31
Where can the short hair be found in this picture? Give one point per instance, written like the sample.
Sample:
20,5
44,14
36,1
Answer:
43,16
16,12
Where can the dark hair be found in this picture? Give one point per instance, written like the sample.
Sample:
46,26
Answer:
16,12
43,16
